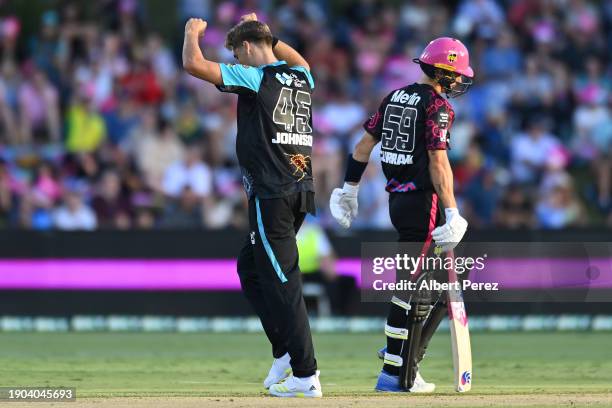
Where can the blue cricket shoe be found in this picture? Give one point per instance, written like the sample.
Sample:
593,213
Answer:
388,383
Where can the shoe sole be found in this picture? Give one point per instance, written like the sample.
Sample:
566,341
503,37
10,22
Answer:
412,392
301,394
423,391
307,394
389,391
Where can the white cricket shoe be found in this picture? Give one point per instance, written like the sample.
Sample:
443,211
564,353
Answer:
309,387
421,386
281,369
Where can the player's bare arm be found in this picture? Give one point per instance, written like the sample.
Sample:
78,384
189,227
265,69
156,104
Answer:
364,147
282,50
442,177
287,53
450,234
194,61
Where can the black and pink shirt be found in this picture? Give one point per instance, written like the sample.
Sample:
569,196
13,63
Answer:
409,122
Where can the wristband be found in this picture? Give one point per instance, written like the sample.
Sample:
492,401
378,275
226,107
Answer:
450,213
351,189
354,170
274,41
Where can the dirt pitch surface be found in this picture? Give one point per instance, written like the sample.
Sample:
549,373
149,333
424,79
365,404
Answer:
381,401
176,370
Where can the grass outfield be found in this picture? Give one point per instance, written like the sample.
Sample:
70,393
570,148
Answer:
220,367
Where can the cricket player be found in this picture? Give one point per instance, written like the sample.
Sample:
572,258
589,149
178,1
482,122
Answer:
413,126
274,146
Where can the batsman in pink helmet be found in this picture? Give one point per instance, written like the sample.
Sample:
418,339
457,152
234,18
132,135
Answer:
412,126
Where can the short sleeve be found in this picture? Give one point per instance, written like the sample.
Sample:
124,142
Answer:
438,120
237,78
305,72
375,123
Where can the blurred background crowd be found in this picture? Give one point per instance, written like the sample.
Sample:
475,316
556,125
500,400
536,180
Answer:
101,128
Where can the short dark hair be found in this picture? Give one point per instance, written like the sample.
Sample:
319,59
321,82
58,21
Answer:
251,31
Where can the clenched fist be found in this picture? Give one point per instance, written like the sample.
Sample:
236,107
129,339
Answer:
248,17
196,25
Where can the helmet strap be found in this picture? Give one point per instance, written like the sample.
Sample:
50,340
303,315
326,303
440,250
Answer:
443,77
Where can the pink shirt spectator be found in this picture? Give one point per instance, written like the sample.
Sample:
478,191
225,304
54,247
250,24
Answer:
35,102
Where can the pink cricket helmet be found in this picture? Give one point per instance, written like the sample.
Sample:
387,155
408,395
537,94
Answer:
448,53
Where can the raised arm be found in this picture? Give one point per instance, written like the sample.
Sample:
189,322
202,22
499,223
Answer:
193,59
282,50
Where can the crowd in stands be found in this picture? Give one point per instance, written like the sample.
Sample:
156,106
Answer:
101,128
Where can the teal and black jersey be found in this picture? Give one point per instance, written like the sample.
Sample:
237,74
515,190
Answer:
274,143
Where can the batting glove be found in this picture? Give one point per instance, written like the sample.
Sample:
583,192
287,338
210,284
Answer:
450,234
343,204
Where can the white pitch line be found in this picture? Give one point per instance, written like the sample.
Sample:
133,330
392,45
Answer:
211,382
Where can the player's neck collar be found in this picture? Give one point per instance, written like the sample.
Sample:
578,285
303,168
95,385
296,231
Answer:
273,64
433,88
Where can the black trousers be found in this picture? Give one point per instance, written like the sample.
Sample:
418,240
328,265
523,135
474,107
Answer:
415,214
270,277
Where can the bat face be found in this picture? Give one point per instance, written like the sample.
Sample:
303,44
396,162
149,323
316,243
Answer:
460,342
460,338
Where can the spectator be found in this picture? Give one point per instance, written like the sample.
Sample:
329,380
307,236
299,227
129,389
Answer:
503,59
191,172
39,109
46,188
341,106
47,47
530,152
185,212
162,61
120,121
482,17
593,142
560,208
482,194
6,195
189,124
532,91
112,207
86,128
400,70
34,213
141,84
145,131
145,219
589,119
145,210
157,153
7,117
328,159
515,209
74,214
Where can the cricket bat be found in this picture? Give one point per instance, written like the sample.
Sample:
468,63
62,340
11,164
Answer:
460,337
